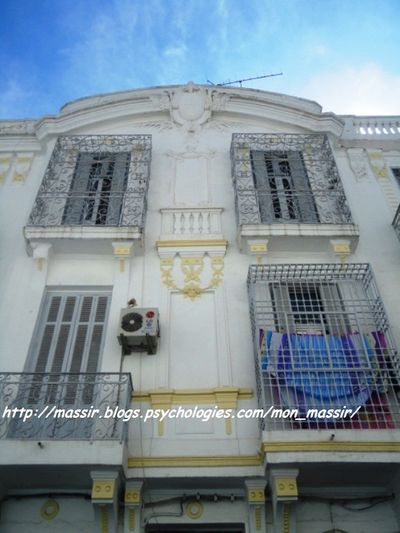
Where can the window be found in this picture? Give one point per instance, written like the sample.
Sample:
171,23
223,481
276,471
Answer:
97,189
286,178
63,363
94,180
283,188
322,341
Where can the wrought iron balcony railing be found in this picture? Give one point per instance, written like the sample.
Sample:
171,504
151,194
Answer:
324,353
95,180
396,222
287,178
63,406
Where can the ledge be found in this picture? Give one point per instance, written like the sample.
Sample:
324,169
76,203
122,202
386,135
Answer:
285,237
80,239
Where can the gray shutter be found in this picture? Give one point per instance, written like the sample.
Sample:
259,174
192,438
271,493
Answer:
118,186
71,335
261,180
301,187
291,200
76,204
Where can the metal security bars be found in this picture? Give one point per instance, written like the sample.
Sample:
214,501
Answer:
324,353
286,178
63,406
396,222
95,180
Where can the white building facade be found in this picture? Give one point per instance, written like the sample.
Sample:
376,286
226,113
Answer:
252,384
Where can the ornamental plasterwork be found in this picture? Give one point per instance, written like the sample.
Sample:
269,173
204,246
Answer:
192,105
9,127
192,275
358,163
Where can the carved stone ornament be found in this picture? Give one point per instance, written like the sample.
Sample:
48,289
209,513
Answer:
191,106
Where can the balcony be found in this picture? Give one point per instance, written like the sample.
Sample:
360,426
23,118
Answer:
325,358
64,407
287,186
396,222
93,192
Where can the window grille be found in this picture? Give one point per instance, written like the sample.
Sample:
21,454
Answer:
322,342
286,178
95,180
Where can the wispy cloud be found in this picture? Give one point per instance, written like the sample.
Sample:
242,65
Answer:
365,90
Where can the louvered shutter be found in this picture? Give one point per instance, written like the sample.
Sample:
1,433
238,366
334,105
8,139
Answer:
118,186
70,339
77,201
284,192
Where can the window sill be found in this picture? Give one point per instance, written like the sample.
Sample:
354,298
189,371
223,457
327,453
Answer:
81,239
295,237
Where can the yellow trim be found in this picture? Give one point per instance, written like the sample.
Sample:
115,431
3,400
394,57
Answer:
223,396
194,509
255,495
286,486
103,489
194,460
331,446
194,242
49,509
131,519
132,496
257,518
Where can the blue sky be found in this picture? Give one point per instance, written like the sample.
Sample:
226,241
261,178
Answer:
345,54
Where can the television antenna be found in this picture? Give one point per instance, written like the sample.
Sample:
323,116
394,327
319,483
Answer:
244,79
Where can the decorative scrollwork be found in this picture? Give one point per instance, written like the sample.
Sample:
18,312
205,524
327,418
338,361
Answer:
192,269
279,201
60,396
90,198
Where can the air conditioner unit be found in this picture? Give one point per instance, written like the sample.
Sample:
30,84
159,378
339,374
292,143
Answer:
139,330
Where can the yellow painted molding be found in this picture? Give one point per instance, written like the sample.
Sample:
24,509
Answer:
131,519
104,522
194,242
286,519
255,495
195,461
132,496
164,398
194,509
330,446
286,486
103,489
49,509
257,517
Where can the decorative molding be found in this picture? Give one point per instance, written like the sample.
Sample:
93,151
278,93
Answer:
191,271
103,489
285,486
330,446
49,509
22,166
194,461
358,163
17,127
194,510
195,242
165,398
5,165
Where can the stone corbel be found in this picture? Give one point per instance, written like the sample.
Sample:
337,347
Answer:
122,251
341,248
22,166
105,500
255,489
284,493
258,248
133,506
5,164
41,253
